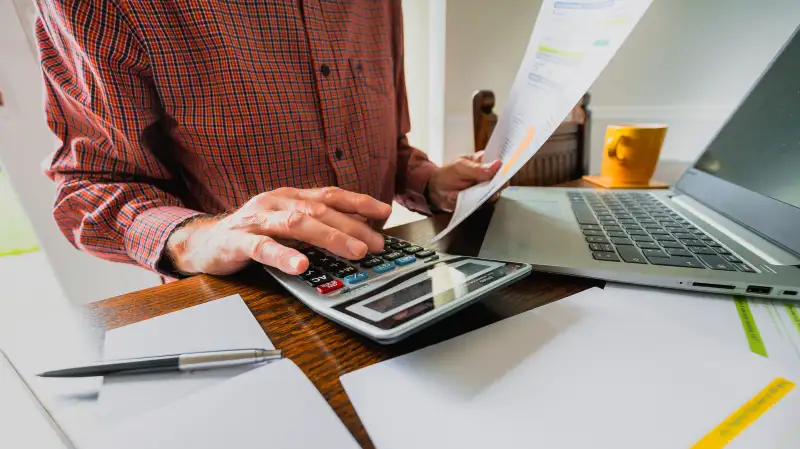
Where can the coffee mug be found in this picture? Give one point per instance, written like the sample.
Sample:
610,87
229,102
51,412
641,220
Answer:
631,152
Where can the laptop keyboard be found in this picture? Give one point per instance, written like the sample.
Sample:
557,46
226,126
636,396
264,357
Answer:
636,227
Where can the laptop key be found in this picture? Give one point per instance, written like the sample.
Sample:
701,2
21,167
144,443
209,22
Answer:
744,268
637,232
631,255
589,227
648,245
596,239
659,232
664,238
672,244
701,250
583,213
654,253
722,251
678,252
731,258
683,235
621,241
608,222
691,242
716,262
608,257
601,247
617,234
593,232
676,261
641,238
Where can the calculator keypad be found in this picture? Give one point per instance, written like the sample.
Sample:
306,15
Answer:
325,268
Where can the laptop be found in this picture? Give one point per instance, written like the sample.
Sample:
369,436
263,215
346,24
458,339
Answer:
731,224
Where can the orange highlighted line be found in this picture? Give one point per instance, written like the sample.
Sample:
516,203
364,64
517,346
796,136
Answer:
522,146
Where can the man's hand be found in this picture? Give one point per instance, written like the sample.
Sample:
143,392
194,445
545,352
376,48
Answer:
267,226
448,181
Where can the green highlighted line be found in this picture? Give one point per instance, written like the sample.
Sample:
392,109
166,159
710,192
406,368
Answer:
750,327
558,52
794,314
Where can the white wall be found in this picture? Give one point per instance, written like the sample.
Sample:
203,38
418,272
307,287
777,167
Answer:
25,141
687,63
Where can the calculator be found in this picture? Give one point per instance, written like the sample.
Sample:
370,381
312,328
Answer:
393,293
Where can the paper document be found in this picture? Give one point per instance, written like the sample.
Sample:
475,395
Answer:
577,373
768,328
225,323
271,406
572,41
24,422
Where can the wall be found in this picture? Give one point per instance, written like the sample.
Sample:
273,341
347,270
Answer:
24,144
687,63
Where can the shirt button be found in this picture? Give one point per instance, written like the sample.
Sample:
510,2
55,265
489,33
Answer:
325,69
339,154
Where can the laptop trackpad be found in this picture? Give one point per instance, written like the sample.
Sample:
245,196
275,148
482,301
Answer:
533,231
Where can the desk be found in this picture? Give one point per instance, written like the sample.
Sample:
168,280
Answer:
324,350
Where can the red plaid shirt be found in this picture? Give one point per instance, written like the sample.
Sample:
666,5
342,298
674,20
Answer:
168,109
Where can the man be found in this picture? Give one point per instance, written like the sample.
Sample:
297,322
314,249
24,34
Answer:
198,136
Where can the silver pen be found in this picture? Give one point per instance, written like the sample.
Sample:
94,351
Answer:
175,362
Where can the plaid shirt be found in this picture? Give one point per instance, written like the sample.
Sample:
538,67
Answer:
169,109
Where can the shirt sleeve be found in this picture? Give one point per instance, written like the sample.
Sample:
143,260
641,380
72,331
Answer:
112,197
414,169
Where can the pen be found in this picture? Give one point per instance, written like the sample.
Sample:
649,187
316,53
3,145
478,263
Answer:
177,362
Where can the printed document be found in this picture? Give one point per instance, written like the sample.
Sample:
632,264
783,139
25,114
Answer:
571,43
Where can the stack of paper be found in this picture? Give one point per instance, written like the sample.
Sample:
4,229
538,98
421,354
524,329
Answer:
578,373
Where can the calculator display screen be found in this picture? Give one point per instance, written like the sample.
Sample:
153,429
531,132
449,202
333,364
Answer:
444,285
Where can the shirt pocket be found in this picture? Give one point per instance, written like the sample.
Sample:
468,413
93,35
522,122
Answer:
376,104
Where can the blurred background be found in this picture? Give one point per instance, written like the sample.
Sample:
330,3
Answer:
686,64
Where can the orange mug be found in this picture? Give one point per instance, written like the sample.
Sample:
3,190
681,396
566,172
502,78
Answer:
631,153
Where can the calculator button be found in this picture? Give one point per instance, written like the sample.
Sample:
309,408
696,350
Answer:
372,262
432,258
392,256
389,240
406,260
426,253
400,245
412,249
379,253
346,271
324,261
319,280
310,273
333,267
384,267
355,278
330,286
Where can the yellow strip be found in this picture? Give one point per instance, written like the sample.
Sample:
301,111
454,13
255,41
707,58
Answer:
522,146
746,415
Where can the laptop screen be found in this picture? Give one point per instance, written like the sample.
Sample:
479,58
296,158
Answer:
750,172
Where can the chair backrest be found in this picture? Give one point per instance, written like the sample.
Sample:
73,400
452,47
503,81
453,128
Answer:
565,155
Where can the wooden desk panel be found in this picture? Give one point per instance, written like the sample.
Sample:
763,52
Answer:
324,350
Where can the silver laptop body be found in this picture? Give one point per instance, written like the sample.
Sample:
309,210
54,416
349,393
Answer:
730,225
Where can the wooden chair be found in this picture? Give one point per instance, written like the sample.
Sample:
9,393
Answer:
564,157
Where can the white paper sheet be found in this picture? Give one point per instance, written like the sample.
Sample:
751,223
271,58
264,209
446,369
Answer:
24,422
271,406
225,323
571,43
572,374
718,318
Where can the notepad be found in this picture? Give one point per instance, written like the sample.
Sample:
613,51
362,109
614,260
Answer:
225,323
271,406
573,374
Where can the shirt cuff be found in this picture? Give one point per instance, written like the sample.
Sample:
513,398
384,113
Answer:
414,197
146,239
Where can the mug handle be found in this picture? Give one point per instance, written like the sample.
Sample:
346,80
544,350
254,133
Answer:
612,150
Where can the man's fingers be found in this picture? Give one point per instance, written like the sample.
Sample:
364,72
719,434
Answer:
331,217
344,201
267,251
293,224
468,169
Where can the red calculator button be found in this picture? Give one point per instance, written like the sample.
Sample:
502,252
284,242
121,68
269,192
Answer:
330,286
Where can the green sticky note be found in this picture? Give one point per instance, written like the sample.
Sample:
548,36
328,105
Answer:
794,315
750,327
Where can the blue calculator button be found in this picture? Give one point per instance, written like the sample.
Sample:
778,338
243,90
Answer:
355,278
405,260
384,267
